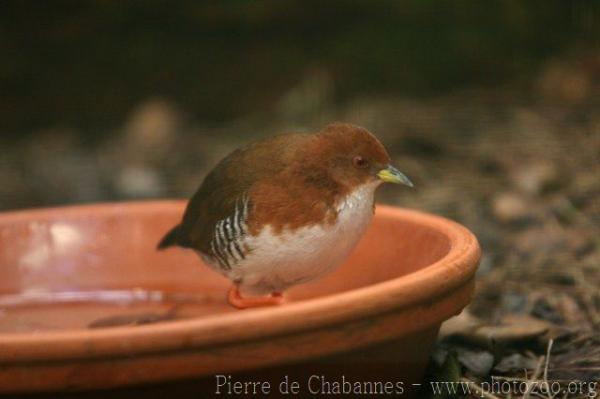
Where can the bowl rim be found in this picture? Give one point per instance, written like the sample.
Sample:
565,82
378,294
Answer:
449,273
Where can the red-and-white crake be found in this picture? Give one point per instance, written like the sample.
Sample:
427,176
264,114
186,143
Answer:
285,210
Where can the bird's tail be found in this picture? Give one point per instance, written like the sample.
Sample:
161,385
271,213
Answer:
170,238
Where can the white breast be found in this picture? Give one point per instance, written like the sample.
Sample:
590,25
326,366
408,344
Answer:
279,261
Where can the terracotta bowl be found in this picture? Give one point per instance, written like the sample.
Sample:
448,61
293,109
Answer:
87,302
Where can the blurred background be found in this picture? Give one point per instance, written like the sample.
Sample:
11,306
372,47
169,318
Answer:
491,108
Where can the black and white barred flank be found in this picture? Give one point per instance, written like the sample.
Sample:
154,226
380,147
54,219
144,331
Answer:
227,246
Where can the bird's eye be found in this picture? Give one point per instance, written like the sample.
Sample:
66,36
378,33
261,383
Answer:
360,162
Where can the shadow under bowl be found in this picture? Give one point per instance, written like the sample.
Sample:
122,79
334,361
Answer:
87,302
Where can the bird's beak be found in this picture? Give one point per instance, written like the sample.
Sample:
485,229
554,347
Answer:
393,175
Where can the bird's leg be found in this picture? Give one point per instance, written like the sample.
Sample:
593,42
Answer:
236,300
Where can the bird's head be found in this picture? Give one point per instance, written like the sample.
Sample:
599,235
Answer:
353,157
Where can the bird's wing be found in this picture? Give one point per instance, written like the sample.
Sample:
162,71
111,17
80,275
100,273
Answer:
221,213
215,219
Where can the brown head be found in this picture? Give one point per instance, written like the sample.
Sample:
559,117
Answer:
300,179
353,156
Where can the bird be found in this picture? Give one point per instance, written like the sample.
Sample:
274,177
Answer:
285,210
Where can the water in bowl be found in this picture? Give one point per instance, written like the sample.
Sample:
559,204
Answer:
55,311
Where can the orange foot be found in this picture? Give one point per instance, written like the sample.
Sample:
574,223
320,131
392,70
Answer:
236,300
